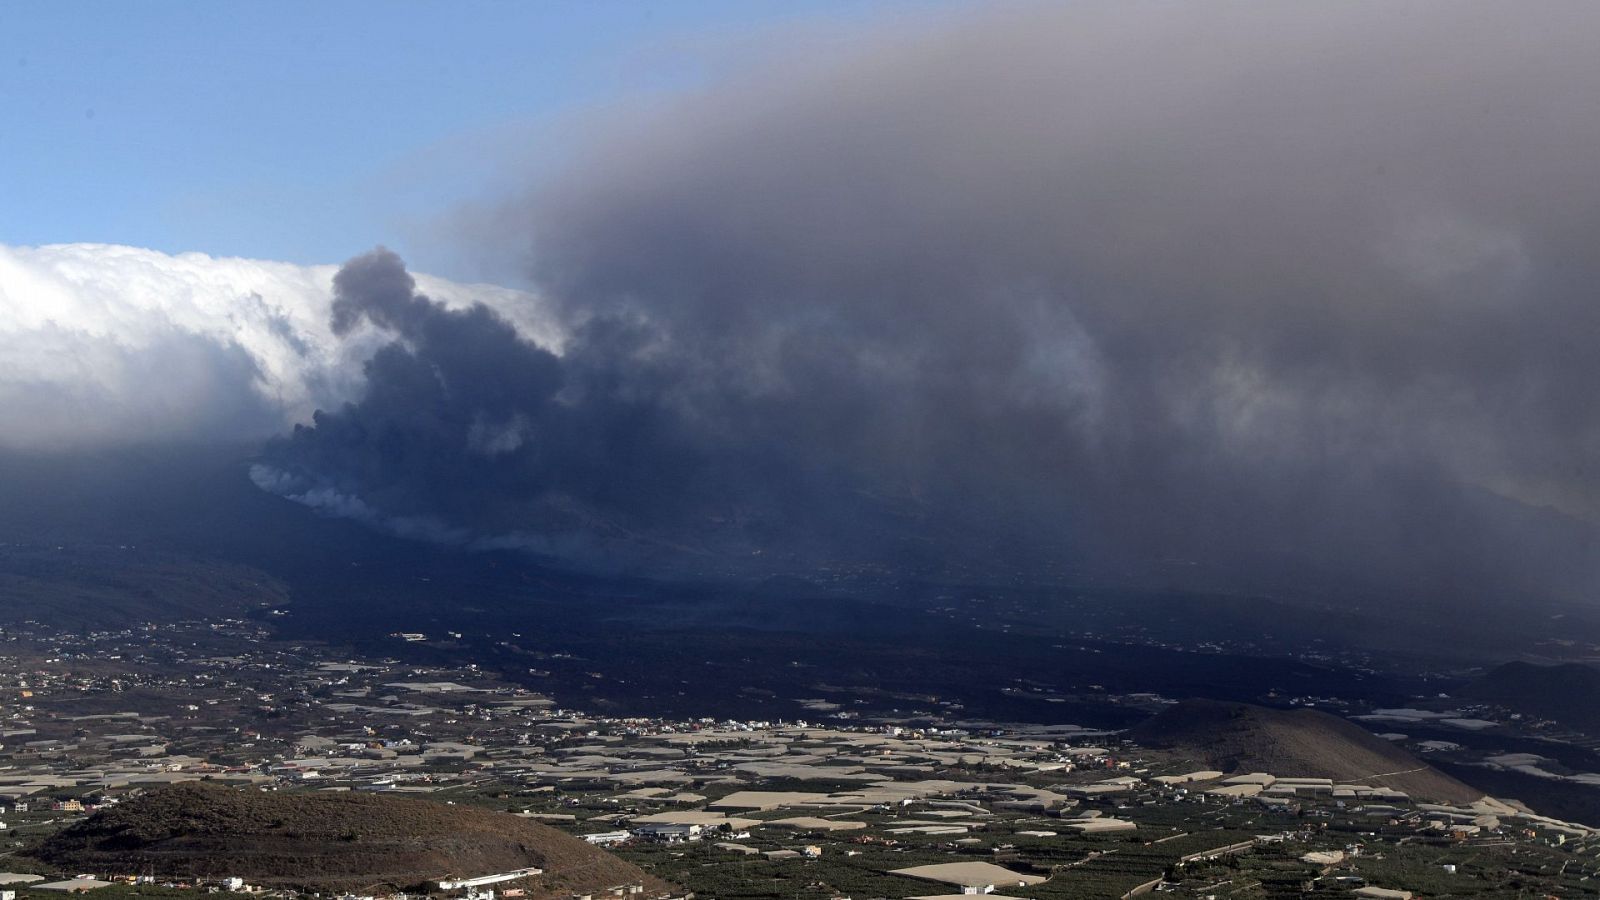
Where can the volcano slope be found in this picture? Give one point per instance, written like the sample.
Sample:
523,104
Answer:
1239,737
328,842
1568,693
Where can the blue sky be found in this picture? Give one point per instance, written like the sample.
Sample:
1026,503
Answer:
311,131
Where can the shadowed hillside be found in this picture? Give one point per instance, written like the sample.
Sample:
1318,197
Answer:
1238,737
327,841
1569,694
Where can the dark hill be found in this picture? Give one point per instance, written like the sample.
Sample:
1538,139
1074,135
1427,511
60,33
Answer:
1238,737
1569,693
327,841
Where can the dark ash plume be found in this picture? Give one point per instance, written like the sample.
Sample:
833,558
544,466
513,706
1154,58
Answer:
1300,290
468,433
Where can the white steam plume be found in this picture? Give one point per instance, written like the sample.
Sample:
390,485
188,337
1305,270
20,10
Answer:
104,345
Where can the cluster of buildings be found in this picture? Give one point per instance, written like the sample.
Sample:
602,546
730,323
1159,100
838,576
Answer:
88,716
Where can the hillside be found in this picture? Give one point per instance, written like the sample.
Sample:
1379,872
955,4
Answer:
1238,737
120,586
327,842
1569,694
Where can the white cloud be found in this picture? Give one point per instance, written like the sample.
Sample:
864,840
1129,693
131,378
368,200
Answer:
109,344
